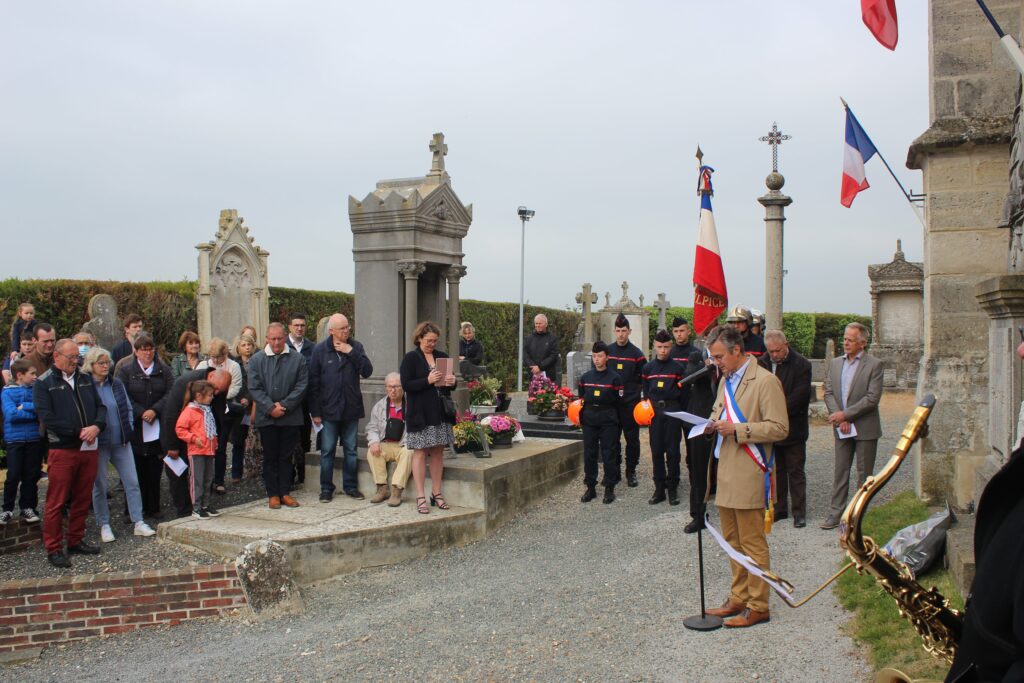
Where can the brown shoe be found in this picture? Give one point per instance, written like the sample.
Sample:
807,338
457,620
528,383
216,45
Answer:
747,617
289,501
275,503
396,496
728,609
382,493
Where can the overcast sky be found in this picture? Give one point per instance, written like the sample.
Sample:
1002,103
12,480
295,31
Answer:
128,126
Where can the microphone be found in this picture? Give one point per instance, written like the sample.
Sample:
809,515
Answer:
694,376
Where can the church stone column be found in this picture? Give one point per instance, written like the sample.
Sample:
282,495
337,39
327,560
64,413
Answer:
774,203
411,269
204,310
454,275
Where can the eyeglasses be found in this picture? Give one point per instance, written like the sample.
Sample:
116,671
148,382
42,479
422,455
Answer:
101,362
74,357
389,387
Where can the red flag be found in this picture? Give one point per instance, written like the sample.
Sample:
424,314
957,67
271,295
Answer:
880,18
709,296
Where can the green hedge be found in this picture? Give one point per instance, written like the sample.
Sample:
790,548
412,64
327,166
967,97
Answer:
315,304
497,328
831,326
799,329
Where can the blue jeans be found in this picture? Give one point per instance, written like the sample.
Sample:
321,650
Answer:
346,430
124,463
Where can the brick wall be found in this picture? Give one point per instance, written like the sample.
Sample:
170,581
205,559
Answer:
38,612
17,535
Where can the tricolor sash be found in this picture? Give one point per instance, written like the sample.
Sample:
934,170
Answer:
731,412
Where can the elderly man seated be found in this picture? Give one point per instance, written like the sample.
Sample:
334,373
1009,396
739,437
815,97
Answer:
385,434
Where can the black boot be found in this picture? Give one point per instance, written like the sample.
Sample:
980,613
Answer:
658,497
673,496
694,526
589,495
609,494
631,481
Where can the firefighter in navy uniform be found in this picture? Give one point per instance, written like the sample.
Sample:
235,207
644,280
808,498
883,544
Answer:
601,390
742,319
681,351
661,378
700,402
627,360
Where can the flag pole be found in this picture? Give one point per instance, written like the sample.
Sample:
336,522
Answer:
913,206
1008,43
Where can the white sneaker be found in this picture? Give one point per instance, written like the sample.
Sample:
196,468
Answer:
106,533
29,515
143,529
5,517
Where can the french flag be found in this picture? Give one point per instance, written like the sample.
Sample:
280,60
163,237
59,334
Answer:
880,18
857,150
709,297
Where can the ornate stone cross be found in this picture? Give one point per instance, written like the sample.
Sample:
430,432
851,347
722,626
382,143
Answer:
662,305
625,290
775,138
439,149
587,297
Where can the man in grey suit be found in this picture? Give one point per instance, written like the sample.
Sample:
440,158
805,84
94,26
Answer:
853,389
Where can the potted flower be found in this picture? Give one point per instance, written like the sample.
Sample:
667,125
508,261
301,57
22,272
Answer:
551,402
502,429
540,386
467,433
483,394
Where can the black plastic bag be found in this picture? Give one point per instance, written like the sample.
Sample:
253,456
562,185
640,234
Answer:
919,545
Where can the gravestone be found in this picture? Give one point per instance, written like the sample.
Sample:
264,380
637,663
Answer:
662,304
576,363
103,323
587,297
636,315
233,289
897,317
407,246
321,329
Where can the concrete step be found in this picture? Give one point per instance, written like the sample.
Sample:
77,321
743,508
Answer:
534,427
960,552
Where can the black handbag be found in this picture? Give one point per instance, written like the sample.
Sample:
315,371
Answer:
447,407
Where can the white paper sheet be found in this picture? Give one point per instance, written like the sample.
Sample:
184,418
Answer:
689,418
150,431
86,446
744,560
177,465
853,432
316,427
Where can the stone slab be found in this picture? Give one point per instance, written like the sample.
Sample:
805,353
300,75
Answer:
960,552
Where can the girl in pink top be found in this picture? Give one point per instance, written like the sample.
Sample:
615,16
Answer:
197,427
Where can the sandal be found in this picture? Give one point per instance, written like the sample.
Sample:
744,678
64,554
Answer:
438,500
421,506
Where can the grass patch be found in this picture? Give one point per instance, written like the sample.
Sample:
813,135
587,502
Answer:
877,623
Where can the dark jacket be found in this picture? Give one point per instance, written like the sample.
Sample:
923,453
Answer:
64,411
992,645
147,392
307,346
175,402
334,392
422,402
601,392
701,398
542,350
122,349
282,378
795,374
21,424
472,351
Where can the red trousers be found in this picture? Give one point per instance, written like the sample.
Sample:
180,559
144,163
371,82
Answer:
71,474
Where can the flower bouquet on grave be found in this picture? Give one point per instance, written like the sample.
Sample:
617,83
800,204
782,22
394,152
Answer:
483,391
502,429
540,387
468,433
552,403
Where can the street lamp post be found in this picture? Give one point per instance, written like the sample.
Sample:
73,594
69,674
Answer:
524,215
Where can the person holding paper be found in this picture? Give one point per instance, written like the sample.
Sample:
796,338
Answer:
749,416
148,381
73,415
115,446
853,390
661,378
540,350
428,427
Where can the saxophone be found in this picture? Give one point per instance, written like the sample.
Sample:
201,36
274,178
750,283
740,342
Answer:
938,624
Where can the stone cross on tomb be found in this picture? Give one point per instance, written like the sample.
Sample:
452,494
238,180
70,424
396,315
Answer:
607,299
662,305
775,138
625,289
439,149
641,297
587,297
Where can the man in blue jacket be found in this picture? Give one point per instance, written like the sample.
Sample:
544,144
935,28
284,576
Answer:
336,403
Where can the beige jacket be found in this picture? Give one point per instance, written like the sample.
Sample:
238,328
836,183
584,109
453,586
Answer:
762,402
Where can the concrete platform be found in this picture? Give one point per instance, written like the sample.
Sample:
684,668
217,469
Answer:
327,539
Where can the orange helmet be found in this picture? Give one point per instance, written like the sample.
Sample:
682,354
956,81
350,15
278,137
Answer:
574,411
643,413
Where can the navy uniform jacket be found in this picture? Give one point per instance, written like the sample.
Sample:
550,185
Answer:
628,361
661,382
601,393
753,345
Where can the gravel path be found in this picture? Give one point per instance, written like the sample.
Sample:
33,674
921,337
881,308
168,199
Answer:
565,592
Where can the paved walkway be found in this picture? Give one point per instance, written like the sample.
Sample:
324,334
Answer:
565,592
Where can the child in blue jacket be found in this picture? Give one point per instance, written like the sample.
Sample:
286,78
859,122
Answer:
24,444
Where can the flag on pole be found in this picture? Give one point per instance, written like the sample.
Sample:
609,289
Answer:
709,297
880,18
857,150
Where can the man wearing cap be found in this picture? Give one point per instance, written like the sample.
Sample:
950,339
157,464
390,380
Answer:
661,378
601,390
628,362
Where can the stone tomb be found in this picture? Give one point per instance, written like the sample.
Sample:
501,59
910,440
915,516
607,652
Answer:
233,290
637,316
346,535
897,318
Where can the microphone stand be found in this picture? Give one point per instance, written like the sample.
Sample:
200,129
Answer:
702,621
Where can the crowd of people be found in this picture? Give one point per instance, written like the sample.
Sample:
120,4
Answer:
72,409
